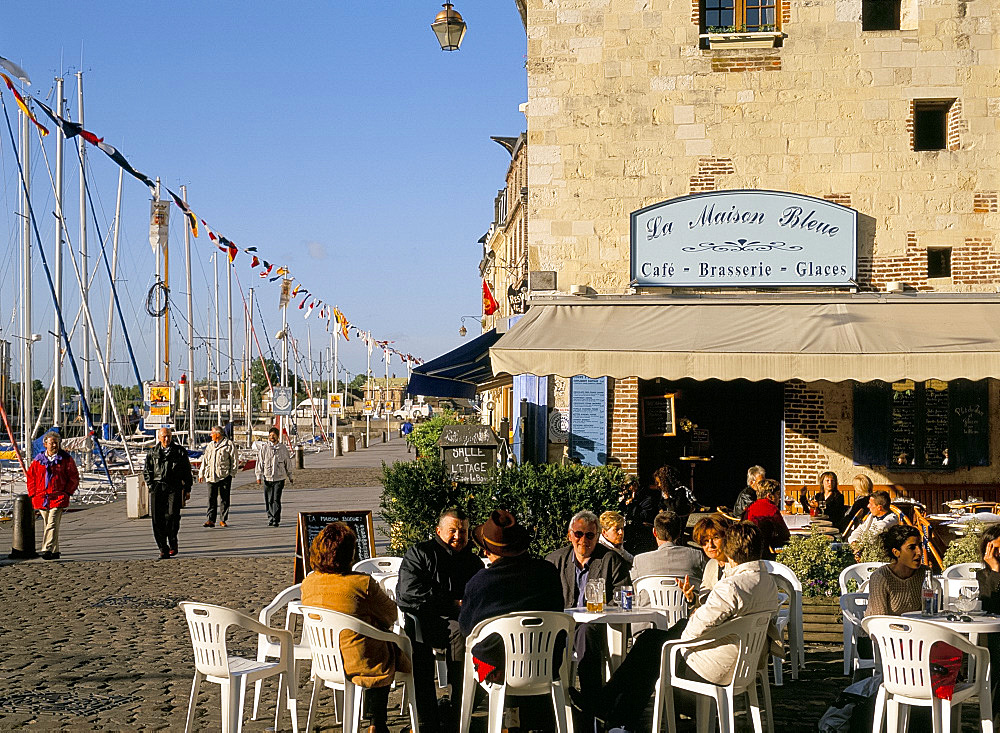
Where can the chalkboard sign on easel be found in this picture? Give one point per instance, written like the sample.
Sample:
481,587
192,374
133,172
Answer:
312,523
658,416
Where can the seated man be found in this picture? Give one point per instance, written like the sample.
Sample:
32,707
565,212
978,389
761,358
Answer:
582,560
668,558
755,474
432,580
745,589
514,581
880,517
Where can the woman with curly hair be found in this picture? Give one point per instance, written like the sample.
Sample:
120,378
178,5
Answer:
370,663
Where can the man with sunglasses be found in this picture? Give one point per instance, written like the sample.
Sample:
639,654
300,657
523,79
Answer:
585,559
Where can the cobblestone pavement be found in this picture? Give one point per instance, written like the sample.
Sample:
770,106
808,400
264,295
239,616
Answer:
95,641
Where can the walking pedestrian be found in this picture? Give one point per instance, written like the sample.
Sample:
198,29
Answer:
52,479
405,431
274,466
168,476
218,466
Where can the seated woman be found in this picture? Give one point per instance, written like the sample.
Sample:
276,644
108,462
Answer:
830,494
710,533
745,589
765,514
863,488
894,589
613,534
989,594
369,663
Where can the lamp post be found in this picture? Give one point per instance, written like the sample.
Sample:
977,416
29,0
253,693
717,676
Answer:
449,28
463,330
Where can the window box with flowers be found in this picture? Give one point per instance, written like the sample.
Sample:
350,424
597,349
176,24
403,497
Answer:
738,39
738,24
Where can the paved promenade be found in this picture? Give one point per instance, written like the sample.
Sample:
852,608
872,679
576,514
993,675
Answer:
94,641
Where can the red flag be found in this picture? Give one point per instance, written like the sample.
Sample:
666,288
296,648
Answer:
490,305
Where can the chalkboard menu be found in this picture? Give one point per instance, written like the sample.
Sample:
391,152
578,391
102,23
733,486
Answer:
904,428
312,523
468,452
658,416
588,420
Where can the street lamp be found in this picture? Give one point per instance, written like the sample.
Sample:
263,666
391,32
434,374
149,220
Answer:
463,330
449,28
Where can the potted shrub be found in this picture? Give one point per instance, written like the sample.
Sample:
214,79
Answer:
966,547
818,564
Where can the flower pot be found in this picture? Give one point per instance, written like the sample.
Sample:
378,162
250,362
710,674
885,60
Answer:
822,621
766,39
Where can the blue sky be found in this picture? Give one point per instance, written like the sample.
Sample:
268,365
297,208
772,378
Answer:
363,164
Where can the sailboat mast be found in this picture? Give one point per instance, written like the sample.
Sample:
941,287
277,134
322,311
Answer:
249,375
190,329
108,403
58,274
232,347
218,352
26,343
84,263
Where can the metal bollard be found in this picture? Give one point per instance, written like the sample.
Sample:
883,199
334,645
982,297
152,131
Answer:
299,456
385,436
23,544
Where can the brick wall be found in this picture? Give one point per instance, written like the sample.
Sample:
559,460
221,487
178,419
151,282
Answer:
973,262
805,420
957,124
625,424
984,202
741,61
708,169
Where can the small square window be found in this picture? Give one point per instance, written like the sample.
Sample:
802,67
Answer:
930,125
880,15
939,262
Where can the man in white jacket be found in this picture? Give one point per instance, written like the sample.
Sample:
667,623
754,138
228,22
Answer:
219,464
746,588
274,466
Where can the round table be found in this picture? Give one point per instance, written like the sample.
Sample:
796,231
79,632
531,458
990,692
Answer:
618,622
982,623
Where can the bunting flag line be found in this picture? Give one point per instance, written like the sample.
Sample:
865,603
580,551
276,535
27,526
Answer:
342,322
230,248
23,105
69,129
309,310
19,73
192,219
118,158
254,263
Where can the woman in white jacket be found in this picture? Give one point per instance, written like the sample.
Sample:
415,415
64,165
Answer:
274,466
745,588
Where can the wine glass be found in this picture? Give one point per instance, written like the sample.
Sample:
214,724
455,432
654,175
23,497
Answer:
967,597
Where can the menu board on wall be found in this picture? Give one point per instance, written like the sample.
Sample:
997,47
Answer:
658,416
588,420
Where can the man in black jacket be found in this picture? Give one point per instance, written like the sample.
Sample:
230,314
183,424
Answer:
582,560
168,477
432,581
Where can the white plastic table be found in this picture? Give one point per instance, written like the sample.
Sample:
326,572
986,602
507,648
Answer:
982,623
618,622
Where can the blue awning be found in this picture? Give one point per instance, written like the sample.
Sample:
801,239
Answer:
457,373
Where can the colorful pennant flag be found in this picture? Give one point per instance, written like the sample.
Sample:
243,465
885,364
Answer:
69,129
118,158
23,105
192,219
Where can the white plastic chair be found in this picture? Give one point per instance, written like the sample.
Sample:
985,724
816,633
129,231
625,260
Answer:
852,607
208,626
378,565
388,584
529,641
904,650
789,618
323,627
962,571
267,648
859,572
749,633
663,592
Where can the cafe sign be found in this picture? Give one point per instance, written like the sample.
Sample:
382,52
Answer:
744,239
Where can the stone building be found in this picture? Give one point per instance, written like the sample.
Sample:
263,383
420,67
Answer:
885,112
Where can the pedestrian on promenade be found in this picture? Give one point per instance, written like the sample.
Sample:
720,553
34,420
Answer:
168,476
406,429
218,466
52,479
274,466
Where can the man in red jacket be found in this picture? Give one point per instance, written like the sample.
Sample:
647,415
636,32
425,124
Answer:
52,479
